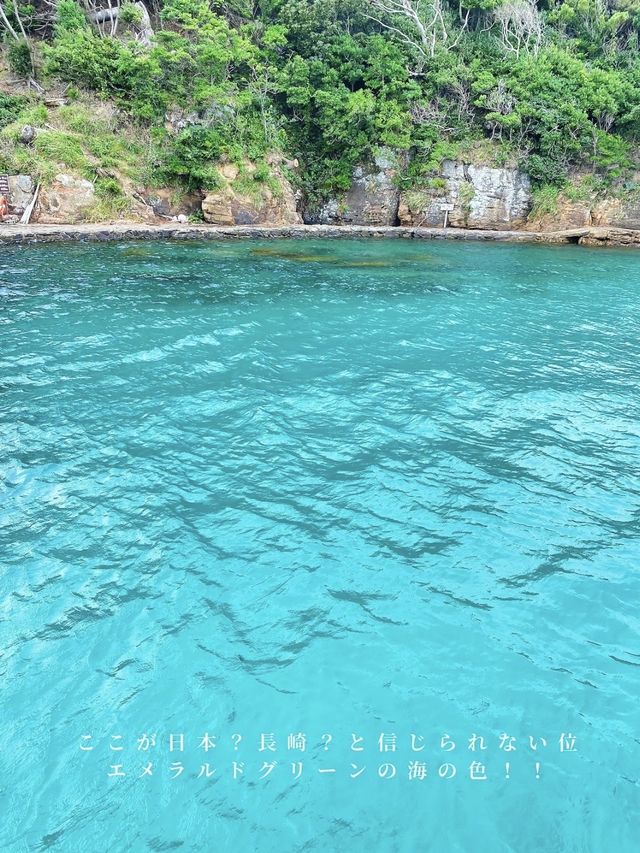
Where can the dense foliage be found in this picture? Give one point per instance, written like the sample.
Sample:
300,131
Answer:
552,84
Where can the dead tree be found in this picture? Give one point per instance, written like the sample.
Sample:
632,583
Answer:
520,25
107,18
421,24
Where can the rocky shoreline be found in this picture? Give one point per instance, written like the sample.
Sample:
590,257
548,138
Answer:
21,234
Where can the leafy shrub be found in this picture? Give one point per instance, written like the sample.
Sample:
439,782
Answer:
107,188
323,81
10,108
545,200
19,58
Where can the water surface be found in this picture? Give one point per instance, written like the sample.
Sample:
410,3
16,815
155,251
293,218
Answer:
329,488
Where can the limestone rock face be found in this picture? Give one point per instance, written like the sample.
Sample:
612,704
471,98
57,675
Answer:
20,191
482,197
241,199
372,199
168,203
569,214
611,237
607,212
618,213
217,209
68,199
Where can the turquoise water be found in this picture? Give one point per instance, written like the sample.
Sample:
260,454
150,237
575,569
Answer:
319,488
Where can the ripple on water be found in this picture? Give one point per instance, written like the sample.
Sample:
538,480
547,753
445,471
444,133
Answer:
334,487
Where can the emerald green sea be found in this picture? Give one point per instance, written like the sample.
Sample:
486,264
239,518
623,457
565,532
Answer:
319,546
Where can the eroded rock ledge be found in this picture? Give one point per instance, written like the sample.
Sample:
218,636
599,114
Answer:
21,234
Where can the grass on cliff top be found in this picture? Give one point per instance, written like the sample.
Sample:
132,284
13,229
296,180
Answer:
588,188
83,139
89,138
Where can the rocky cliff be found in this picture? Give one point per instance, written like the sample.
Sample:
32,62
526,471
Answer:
480,197
247,196
372,199
475,196
602,211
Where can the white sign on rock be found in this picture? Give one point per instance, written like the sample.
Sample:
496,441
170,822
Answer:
446,208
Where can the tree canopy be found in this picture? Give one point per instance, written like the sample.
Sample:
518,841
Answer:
551,83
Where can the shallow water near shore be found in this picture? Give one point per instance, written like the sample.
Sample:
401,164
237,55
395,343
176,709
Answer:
340,489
